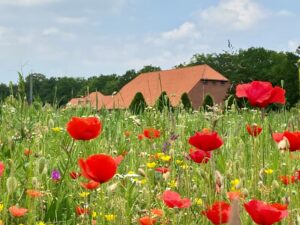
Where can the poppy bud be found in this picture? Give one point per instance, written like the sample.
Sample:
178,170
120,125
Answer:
245,192
11,184
275,184
42,165
51,123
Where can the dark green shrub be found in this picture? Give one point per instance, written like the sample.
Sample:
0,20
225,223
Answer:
185,100
138,104
163,102
207,102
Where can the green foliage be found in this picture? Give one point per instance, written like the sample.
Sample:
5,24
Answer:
138,104
256,64
163,102
185,100
21,88
208,102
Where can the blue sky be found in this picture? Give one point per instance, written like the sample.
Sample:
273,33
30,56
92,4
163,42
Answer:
83,38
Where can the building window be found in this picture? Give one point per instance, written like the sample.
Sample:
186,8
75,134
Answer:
223,83
205,81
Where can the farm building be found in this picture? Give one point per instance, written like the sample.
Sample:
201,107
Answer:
196,81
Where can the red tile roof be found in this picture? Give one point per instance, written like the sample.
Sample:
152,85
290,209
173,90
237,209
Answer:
174,82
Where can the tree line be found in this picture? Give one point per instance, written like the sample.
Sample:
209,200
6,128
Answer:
241,66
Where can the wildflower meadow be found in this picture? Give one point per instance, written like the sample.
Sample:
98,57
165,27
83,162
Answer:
221,165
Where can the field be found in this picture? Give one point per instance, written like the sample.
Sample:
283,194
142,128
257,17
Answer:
38,155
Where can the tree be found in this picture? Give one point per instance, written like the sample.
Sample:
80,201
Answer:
138,104
208,102
185,100
163,102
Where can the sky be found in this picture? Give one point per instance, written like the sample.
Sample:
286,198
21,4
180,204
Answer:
83,38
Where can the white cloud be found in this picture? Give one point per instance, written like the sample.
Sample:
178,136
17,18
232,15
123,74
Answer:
293,45
185,32
55,32
234,14
285,12
26,2
71,20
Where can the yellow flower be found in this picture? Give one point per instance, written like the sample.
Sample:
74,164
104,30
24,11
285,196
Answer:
165,158
173,183
110,217
56,129
179,162
198,201
40,223
269,171
151,165
1,207
143,181
84,194
94,214
184,166
130,172
160,154
235,182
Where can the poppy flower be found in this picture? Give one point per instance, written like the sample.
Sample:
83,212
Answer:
206,140
172,199
162,170
151,133
231,195
218,213
254,130
74,175
81,211
263,213
260,93
147,220
91,185
84,128
141,137
34,193
293,139
157,212
15,211
287,179
2,168
100,167
199,156
27,152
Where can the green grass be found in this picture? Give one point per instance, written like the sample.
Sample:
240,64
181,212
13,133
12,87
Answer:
241,157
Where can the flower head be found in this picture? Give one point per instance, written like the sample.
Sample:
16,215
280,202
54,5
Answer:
172,199
264,213
84,128
151,133
292,139
100,167
261,94
16,211
254,130
206,140
218,213
199,156
55,175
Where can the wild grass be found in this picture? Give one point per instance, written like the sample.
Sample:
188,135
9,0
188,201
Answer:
127,197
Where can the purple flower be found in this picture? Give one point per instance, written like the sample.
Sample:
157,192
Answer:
55,175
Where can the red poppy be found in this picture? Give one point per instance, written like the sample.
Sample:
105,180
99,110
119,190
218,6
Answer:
218,213
172,199
254,130
206,140
293,139
287,179
15,211
27,152
260,93
157,212
141,137
34,193
151,133
91,185
162,170
84,128
199,156
147,220
74,175
81,211
100,167
2,168
231,195
264,213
